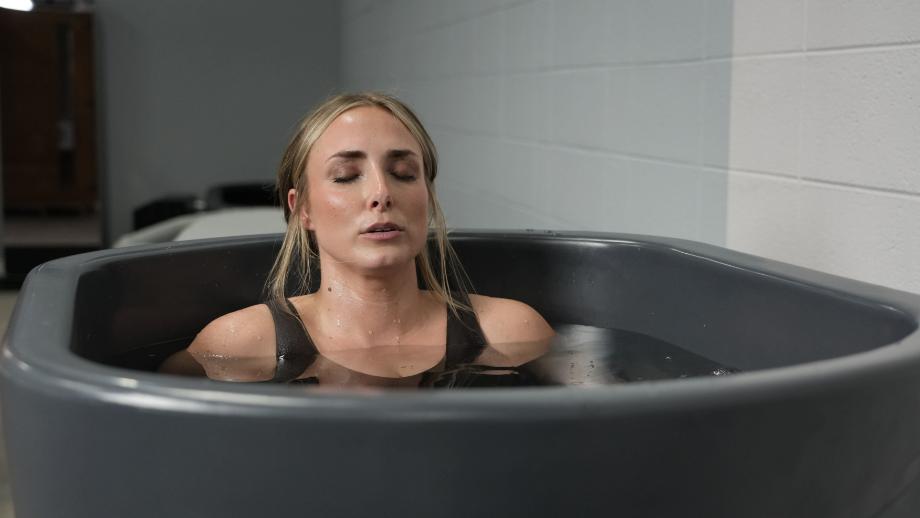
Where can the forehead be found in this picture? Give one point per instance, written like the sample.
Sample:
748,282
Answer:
366,128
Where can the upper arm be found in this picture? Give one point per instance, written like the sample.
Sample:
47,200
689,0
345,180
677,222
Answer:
238,346
516,333
506,320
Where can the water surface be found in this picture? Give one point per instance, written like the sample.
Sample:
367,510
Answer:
579,356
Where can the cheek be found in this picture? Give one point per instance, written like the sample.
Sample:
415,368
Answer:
420,201
336,204
329,205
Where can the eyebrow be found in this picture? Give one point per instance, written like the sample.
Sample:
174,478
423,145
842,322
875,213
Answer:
353,154
400,153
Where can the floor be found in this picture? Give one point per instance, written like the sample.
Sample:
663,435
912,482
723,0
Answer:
7,300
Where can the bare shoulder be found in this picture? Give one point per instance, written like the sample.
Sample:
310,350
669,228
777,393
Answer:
507,320
247,332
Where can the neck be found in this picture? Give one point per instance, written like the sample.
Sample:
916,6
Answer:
370,308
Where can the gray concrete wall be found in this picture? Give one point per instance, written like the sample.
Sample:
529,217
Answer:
192,94
787,129
824,168
589,114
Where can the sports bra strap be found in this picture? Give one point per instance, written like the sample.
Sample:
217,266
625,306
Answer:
295,350
465,339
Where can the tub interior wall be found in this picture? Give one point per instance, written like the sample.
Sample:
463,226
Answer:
735,316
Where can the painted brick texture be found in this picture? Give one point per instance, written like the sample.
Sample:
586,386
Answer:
788,129
556,114
824,152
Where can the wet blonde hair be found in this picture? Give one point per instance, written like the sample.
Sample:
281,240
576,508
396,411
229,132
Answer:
298,253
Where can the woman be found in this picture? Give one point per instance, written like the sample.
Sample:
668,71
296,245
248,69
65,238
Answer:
358,195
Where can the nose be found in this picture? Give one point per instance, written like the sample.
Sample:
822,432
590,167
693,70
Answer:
380,197
384,201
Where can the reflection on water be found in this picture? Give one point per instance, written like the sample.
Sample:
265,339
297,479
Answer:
578,356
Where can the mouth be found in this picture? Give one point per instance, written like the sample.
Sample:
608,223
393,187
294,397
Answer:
382,228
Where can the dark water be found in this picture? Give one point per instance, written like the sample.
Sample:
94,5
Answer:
579,356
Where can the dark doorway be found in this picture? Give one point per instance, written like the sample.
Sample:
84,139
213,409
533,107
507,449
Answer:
47,111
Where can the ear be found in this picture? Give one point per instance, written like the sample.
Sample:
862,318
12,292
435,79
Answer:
304,216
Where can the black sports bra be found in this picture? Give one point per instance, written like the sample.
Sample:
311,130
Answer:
295,350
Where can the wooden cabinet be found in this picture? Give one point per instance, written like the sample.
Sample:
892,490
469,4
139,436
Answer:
47,111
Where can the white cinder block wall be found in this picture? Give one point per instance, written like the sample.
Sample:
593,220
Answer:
788,129
824,151
557,114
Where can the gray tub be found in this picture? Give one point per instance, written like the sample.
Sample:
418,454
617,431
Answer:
825,420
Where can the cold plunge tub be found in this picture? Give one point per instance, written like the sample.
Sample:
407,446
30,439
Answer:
824,421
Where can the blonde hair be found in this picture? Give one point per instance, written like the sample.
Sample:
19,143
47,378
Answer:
298,250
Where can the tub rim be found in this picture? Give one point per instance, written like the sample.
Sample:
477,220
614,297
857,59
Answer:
58,372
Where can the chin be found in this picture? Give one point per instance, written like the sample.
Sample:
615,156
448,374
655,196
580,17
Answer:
395,255
386,261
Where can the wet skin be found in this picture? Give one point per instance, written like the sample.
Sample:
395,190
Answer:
368,204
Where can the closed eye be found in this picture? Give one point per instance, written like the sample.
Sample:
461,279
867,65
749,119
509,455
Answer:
404,177
345,179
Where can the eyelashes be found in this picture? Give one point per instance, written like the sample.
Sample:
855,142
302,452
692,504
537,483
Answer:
350,178
408,177
345,179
